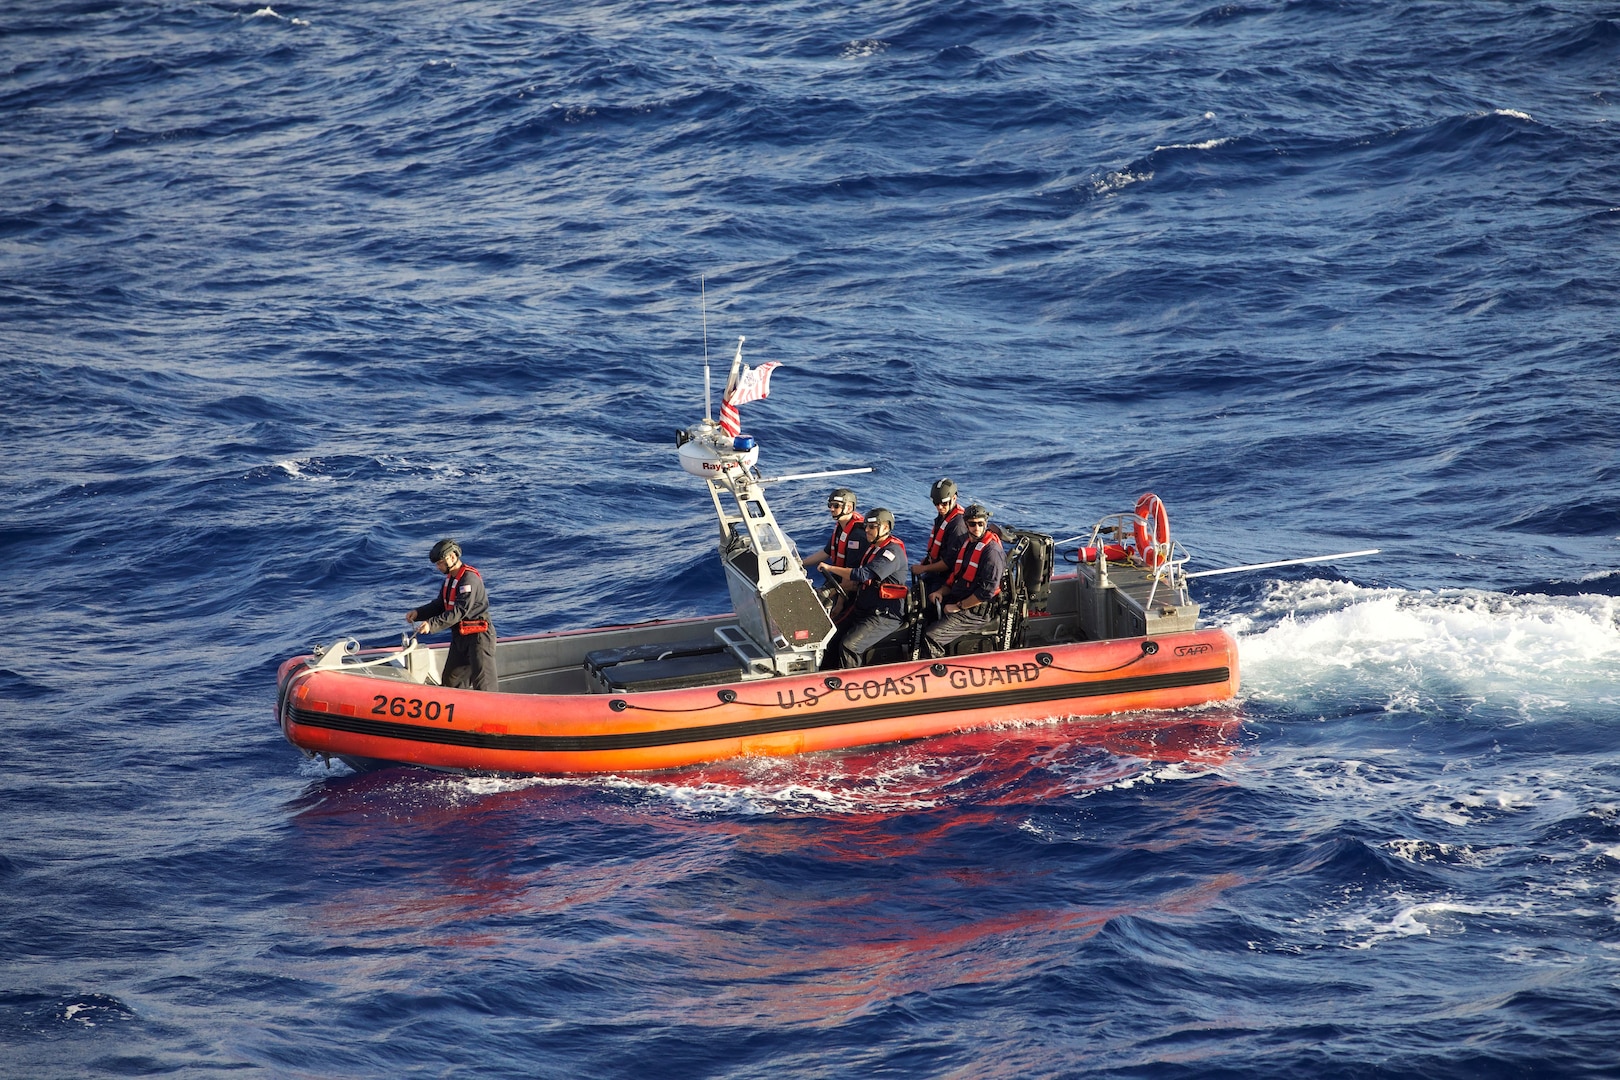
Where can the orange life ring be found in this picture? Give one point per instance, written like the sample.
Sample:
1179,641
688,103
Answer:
1152,531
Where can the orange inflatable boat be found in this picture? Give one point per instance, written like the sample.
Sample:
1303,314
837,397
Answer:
1118,635
373,716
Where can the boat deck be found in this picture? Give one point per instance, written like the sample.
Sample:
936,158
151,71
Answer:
667,654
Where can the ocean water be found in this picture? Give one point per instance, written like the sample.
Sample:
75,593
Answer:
289,292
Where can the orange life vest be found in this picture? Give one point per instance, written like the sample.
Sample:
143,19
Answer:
838,543
448,593
936,540
966,569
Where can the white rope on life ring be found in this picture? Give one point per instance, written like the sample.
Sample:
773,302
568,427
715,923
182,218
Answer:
1152,531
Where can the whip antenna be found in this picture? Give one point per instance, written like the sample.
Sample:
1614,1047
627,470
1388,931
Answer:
703,302
1282,562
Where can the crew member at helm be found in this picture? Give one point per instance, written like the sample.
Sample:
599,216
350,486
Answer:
974,580
880,591
947,538
844,546
462,606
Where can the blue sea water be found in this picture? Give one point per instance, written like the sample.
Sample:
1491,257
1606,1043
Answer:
287,293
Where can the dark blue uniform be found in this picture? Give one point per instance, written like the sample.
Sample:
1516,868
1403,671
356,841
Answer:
463,607
944,544
977,572
882,570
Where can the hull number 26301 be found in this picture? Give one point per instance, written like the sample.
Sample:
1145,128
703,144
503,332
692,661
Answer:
415,708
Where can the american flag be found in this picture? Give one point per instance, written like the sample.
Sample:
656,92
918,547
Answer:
750,384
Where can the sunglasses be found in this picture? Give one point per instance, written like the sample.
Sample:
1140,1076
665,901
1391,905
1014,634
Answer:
977,524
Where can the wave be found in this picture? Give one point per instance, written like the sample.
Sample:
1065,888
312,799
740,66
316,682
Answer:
1535,655
1457,143
1596,43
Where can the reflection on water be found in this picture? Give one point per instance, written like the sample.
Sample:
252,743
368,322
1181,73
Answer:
808,888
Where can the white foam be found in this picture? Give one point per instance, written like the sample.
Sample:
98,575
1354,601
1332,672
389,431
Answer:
758,799
1207,144
1163,774
1342,781
1515,113
1414,920
1334,638
294,467
866,47
90,1013
317,768
1115,181
883,780
1420,852
750,788
1488,804
497,785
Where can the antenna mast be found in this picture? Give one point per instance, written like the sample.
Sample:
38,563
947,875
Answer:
703,300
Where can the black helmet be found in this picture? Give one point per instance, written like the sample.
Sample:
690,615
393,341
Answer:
443,549
881,518
943,490
842,495
976,512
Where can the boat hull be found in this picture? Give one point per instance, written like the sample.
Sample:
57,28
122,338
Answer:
370,720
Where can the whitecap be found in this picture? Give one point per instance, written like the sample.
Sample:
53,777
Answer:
295,468
866,47
1207,144
1534,653
1114,181
1414,920
94,1009
1421,852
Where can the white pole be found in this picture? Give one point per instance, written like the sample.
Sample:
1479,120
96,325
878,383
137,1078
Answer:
703,296
812,475
1283,562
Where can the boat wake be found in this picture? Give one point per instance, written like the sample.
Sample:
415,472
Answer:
1009,765
1308,643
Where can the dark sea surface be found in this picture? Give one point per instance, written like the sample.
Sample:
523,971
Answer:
287,294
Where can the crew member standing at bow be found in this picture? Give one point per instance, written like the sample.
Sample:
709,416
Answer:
947,538
880,592
843,546
462,606
974,580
